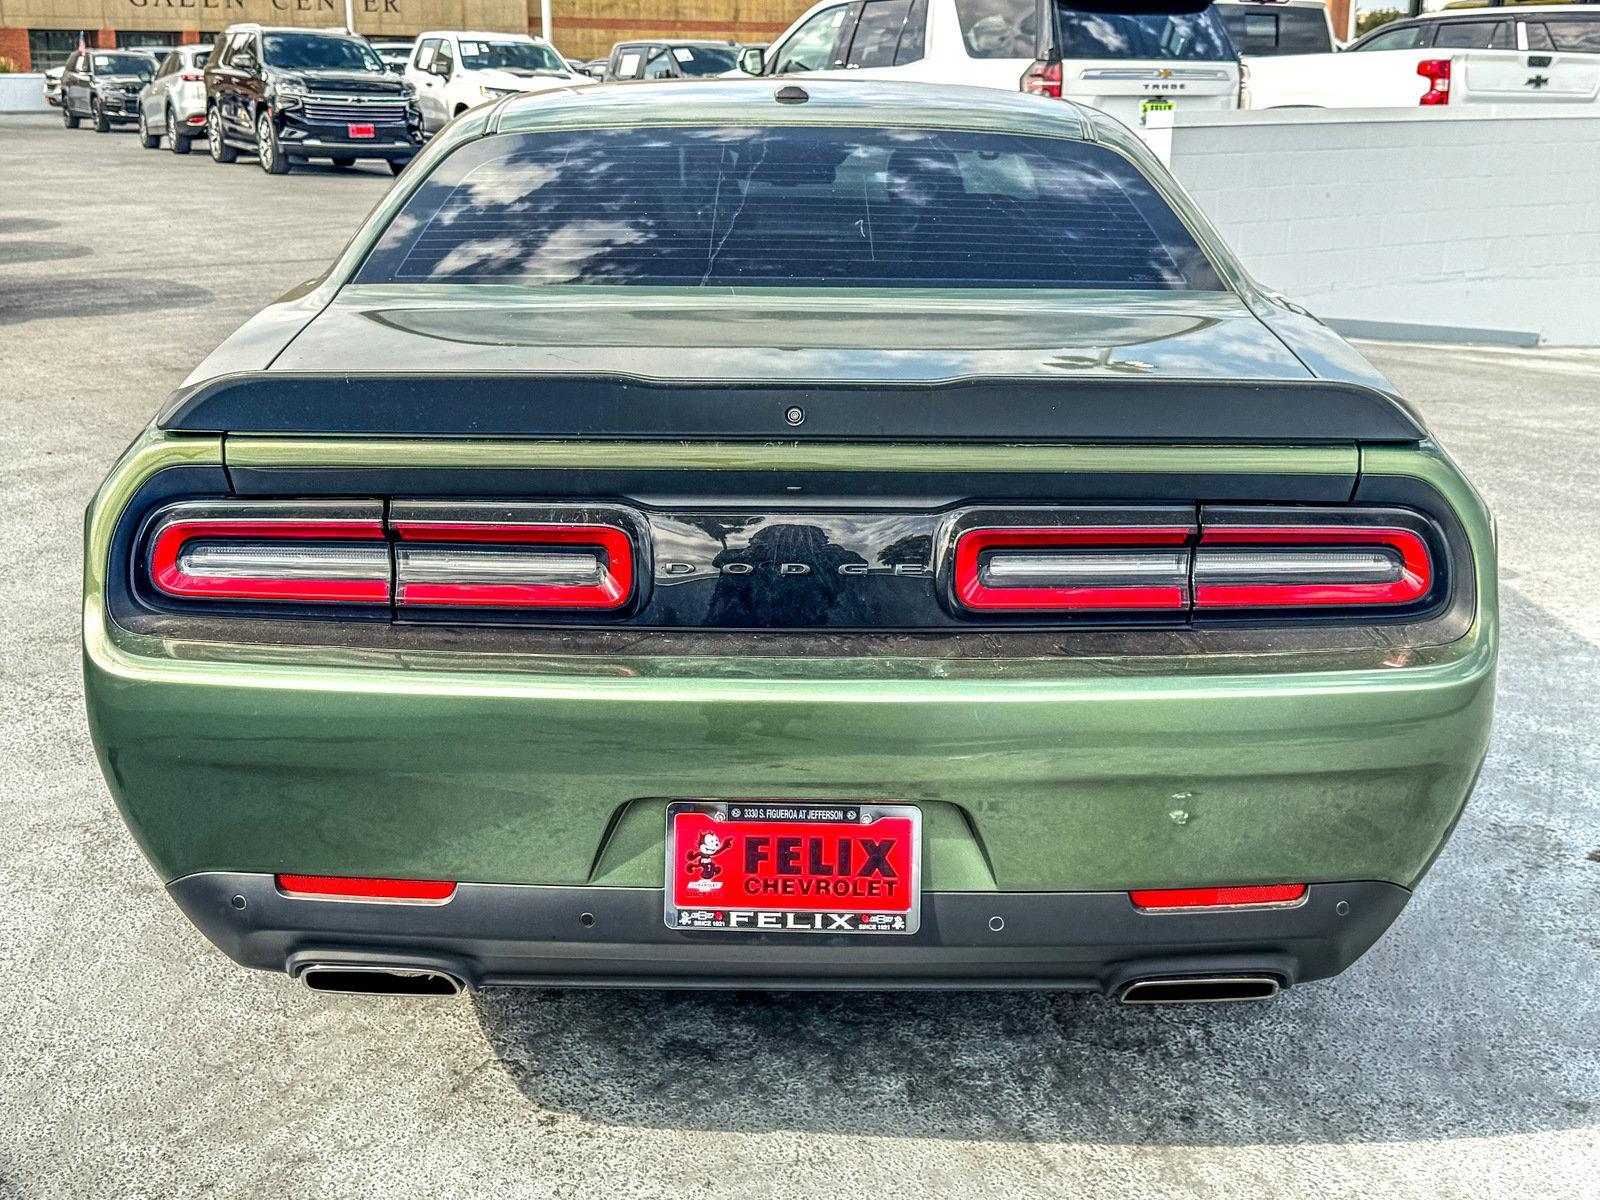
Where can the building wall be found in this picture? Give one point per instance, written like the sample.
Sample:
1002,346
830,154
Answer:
583,28
587,28
1406,220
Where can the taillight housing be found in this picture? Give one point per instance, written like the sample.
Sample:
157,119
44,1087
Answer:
300,553
1088,561
1278,559
515,557
1437,72
1043,78
1177,565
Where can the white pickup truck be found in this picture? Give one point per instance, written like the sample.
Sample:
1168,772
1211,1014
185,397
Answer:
1546,54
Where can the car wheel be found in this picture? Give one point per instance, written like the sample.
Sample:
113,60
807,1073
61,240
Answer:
68,117
176,142
98,116
146,139
220,150
396,165
273,160
344,162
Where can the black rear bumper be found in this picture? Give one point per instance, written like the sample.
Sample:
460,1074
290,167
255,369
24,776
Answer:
499,935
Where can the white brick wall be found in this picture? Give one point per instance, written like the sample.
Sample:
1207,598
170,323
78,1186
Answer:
1478,219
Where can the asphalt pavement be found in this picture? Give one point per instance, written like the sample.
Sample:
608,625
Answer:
1460,1058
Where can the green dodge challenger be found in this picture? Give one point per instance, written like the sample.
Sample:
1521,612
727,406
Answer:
835,535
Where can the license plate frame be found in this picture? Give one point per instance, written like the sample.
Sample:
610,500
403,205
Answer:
362,131
820,827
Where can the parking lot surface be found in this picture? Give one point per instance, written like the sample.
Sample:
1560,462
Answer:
1459,1058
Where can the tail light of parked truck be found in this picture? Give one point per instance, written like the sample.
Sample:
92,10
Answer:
1437,72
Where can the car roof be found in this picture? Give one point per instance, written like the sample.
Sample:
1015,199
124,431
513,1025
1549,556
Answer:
485,34
257,27
1317,4
753,101
1506,10
664,41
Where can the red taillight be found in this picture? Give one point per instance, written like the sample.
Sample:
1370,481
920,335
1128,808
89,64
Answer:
1219,897
1043,78
473,564
301,553
1072,568
343,887
1297,566
1437,72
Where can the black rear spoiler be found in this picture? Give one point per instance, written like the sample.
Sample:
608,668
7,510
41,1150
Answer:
983,410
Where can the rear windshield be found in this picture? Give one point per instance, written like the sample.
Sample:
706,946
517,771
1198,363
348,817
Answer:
1262,29
789,206
1579,33
1181,32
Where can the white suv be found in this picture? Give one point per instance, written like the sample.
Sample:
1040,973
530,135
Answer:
1125,58
454,70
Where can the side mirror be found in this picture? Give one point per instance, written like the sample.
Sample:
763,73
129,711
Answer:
441,68
752,60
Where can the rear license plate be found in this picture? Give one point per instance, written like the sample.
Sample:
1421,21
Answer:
1155,104
783,866
363,131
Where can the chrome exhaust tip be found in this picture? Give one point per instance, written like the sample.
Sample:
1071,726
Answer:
1201,989
377,980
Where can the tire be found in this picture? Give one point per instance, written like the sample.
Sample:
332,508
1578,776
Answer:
396,165
221,152
176,142
146,140
344,162
68,117
272,158
98,116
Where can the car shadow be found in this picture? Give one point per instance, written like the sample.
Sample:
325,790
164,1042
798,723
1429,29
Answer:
1472,1017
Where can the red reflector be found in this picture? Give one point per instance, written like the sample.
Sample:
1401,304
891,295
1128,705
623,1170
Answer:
198,119
271,558
1219,897
601,579
1413,572
979,585
366,889
191,77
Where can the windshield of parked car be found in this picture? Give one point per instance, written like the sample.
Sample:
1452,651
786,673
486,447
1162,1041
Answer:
1122,29
477,55
141,65
704,60
790,206
314,52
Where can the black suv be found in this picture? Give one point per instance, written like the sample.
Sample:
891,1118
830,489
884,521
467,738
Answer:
287,95
103,85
